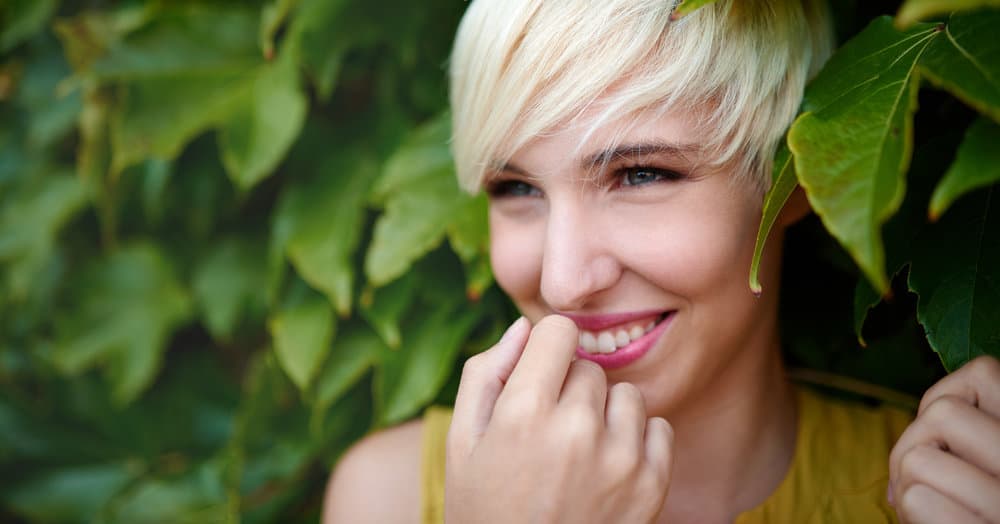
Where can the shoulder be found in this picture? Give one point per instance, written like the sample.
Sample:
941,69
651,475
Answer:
384,466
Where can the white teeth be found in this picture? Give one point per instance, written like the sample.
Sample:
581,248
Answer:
650,326
636,332
588,342
621,338
605,342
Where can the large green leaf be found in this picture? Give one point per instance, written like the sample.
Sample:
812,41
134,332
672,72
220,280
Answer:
915,10
322,216
320,33
977,165
21,19
852,146
353,353
411,376
72,494
469,236
782,185
423,154
227,284
956,274
965,60
302,334
258,135
383,308
126,306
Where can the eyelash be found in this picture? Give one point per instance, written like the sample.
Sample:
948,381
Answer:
511,188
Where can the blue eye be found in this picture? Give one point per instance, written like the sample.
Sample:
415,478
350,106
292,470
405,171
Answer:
511,188
638,176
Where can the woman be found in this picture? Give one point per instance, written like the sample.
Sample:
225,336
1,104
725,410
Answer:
626,155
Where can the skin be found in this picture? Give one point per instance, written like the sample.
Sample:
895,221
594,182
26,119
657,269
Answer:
698,429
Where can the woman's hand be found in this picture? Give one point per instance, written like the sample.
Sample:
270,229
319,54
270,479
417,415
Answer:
539,437
946,465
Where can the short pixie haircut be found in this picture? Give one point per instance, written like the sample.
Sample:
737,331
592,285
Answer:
523,68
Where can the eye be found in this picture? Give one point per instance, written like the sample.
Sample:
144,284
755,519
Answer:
639,176
511,188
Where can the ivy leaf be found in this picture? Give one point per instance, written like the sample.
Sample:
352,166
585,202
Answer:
69,494
302,334
865,298
227,283
913,11
258,134
126,306
782,185
411,376
853,144
354,351
469,236
965,60
22,19
272,17
424,153
323,215
387,306
956,274
689,6
977,165
320,33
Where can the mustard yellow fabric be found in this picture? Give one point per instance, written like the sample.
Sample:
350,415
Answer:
839,472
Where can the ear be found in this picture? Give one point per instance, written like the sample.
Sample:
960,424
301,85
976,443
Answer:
796,208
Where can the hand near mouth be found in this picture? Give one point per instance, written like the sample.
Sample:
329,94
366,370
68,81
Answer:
537,436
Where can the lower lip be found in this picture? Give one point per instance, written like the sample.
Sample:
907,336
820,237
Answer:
631,352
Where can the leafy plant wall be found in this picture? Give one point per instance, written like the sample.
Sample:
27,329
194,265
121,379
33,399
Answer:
231,242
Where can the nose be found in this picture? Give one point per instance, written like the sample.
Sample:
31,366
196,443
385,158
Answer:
578,261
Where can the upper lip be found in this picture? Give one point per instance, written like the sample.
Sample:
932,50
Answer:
601,322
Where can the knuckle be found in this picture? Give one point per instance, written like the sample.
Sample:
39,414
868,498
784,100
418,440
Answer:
914,465
580,425
629,392
622,460
521,405
987,367
943,409
588,371
473,365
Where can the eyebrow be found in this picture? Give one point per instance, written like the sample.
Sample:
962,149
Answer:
621,151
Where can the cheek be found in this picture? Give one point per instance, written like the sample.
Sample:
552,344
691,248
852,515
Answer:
516,256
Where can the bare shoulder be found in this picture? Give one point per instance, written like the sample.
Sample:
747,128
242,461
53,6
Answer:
378,479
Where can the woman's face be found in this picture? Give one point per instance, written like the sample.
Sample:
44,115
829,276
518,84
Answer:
646,249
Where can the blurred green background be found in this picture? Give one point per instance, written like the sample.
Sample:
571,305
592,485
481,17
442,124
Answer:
231,244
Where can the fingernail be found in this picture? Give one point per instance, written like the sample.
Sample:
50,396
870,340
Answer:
514,328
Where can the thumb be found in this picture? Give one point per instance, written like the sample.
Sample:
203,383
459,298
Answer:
483,378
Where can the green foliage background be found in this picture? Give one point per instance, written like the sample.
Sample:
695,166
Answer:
231,242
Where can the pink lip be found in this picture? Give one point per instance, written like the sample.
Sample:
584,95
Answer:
601,322
631,352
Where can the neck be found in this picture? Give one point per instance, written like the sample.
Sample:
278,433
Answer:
733,447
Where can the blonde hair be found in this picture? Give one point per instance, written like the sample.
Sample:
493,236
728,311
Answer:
521,68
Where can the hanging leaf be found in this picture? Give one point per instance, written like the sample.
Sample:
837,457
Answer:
424,153
387,307
22,19
853,144
125,308
469,236
965,60
782,185
913,11
258,135
320,34
411,376
227,285
353,353
956,274
865,298
302,334
977,165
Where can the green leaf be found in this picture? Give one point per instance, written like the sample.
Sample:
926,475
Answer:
977,165
853,144
22,19
410,377
70,494
354,351
424,153
125,307
956,274
320,33
387,307
273,16
227,284
160,115
913,11
469,236
782,185
965,60
323,216
865,298
258,135
689,6
302,334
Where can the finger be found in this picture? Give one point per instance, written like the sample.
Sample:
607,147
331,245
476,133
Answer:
977,382
963,483
923,505
585,384
545,362
952,424
483,379
626,414
659,446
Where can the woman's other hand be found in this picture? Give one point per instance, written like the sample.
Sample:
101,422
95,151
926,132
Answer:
946,465
539,437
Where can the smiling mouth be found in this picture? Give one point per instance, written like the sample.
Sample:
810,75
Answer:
614,338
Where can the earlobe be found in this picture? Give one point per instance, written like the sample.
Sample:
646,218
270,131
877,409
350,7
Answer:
796,208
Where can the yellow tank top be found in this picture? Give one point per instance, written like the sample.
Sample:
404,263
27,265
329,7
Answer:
839,472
